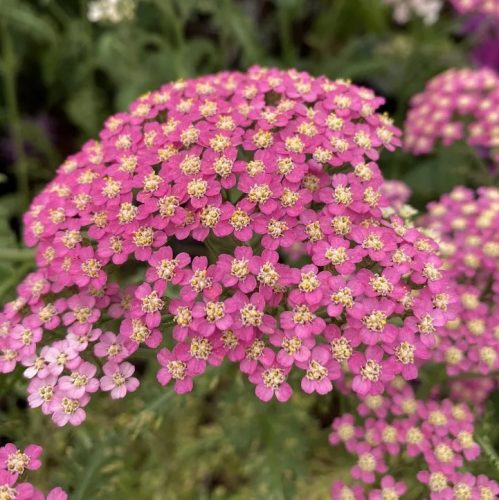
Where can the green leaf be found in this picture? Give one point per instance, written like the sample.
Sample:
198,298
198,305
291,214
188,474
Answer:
21,17
84,109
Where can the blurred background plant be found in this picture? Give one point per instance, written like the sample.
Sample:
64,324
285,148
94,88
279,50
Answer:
65,66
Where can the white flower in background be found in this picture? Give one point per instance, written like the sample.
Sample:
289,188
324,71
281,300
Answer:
111,11
404,10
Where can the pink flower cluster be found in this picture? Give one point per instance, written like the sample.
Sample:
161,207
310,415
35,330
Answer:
485,7
13,463
249,165
466,224
397,193
397,427
459,104
475,391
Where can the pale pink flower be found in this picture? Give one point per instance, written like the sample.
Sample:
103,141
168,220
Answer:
118,379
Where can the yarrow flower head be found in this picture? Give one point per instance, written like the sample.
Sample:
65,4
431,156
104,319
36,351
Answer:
13,465
466,224
459,104
247,165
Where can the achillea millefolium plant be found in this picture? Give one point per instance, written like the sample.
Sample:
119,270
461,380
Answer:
249,164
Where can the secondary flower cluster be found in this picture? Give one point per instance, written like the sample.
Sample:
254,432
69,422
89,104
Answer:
397,194
399,431
405,10
485,7
459,104
13,463
475,391
466,224
251,164
111,11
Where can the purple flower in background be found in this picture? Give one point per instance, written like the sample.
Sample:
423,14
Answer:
44,122
485,31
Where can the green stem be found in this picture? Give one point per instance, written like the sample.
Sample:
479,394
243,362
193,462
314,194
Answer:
97,458
16,254
286,36
488,450
212,250
15,277
174,20
96,462
59,13
9,78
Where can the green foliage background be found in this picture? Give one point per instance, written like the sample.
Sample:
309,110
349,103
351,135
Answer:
61,77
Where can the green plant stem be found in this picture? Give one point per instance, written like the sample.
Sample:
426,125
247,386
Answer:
488,450
15,277
16,254
96,462
9,78
286,36
59,13
174,21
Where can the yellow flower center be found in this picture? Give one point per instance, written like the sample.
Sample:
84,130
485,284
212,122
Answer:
201,348
152,303
239,219
371,370
302,315
250,315
268,275
404,352
273,378
316,371
197,188
17,462
341,349
375,321
177,369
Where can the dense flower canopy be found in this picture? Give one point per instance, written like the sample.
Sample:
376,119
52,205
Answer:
459,104
275,172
